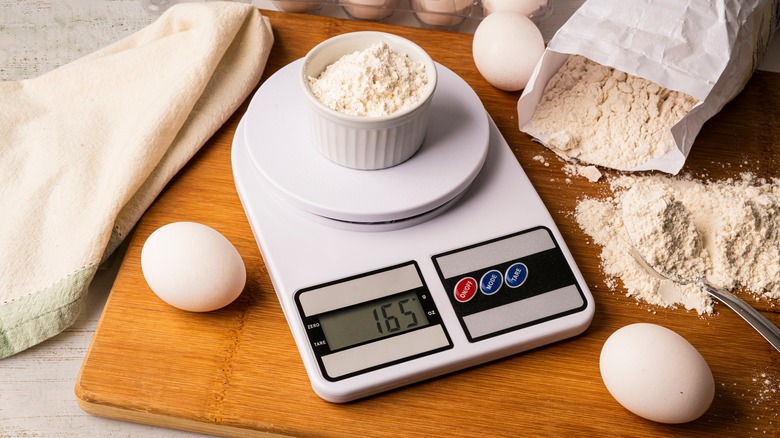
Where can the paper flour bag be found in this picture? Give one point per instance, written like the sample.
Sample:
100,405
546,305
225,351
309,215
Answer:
628,84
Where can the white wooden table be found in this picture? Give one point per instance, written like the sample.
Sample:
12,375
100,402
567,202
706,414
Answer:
36,386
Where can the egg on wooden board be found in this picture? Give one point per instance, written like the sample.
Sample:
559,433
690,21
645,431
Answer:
506,49
192,267
656,374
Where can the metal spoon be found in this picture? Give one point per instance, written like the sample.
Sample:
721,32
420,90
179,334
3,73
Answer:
764,326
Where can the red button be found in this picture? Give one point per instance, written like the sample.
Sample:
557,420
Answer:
465,289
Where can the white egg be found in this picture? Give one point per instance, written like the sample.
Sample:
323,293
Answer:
656,374
441,12
302,6
369,9
506,48
526,7
192,267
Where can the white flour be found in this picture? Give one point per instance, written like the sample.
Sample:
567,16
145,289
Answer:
603,116
591,173
375,82
662,230
738,222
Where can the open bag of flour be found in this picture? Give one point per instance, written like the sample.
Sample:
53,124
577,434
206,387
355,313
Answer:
628,84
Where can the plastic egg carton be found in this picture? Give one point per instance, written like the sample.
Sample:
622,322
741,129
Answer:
428,13
438,14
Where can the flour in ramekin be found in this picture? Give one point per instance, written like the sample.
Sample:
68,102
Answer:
377,81
738,221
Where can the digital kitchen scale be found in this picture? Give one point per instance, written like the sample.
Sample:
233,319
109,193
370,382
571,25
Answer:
393,276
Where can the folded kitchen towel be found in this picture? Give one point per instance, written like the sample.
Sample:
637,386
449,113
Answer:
85,149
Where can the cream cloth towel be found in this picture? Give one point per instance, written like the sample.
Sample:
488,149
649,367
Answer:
86,148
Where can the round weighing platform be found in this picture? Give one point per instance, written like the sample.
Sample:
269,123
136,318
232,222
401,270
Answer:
278,141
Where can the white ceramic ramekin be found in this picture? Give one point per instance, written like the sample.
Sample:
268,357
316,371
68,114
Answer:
366,142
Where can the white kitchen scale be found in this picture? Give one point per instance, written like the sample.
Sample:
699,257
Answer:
394,276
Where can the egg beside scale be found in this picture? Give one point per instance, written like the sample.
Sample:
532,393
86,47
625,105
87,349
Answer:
192,267
656,374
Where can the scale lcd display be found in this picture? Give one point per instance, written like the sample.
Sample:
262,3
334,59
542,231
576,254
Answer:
373,320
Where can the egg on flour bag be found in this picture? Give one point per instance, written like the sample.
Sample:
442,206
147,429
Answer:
628,84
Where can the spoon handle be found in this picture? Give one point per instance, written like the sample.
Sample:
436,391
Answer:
769,331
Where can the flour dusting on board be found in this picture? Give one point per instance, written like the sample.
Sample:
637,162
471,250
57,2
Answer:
738,221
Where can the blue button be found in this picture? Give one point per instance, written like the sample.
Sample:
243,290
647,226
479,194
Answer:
491,282
516,275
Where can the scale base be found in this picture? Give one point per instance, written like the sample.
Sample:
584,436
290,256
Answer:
489,277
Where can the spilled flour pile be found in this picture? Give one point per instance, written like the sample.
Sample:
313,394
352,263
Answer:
661,229
727,231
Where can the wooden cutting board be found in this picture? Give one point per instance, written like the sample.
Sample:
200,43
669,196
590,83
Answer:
237,372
